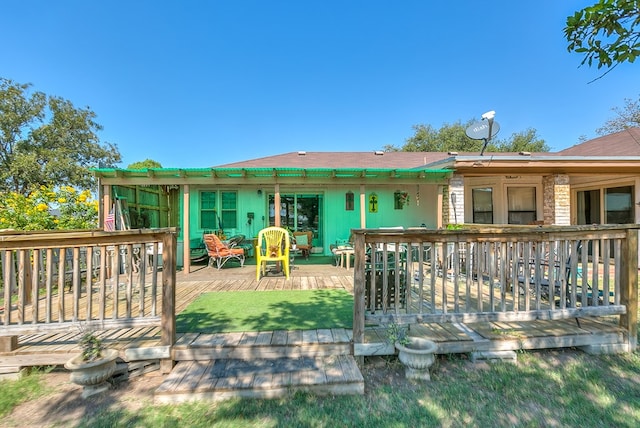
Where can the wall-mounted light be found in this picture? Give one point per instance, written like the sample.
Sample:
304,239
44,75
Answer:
259,192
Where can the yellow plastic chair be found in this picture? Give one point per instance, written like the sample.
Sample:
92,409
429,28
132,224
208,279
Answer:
273,246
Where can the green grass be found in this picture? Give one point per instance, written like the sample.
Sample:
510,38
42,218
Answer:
579,390
14,392
273,310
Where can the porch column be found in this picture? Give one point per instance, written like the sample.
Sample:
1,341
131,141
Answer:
186,244
363,207
556,199
439,208
276,204
106,204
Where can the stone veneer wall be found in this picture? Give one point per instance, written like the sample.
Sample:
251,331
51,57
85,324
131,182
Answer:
556,199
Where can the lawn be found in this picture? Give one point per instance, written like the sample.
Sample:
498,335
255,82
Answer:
235,311
545,389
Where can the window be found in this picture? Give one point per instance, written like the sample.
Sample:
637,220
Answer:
482,200
208,210
229,209
521,203
589,207
619,205
349,201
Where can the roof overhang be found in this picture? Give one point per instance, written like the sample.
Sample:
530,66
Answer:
534,164
167,176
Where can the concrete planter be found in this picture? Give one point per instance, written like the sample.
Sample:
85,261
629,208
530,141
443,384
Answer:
92,376
418,355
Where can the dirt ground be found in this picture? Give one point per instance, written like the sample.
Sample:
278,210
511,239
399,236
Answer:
64,406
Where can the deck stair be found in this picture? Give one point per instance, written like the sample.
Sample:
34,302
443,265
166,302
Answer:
261,365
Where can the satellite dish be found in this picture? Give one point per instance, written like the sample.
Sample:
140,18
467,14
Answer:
480,130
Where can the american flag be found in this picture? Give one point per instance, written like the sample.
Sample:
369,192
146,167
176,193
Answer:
110,222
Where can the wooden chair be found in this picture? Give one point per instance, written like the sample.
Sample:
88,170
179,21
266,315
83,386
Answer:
273,246
303,242
220,253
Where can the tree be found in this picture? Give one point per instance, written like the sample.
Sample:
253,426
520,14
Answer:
145,164
46,141
525,141
453,138
46,209
627,117
605,33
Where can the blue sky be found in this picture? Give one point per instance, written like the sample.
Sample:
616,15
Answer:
202,83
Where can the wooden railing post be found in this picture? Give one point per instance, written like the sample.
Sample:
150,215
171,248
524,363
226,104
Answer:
358,289
168,327
629,287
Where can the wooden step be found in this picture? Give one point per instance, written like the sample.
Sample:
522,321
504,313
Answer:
263,345
222,379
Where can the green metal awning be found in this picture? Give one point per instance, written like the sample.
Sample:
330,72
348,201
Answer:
329,174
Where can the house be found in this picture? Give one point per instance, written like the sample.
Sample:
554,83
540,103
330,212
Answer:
329,193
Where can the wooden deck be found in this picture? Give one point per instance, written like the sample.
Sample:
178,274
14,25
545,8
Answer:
272,363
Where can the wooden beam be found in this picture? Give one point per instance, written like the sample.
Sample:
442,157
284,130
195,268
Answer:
186,239
168,327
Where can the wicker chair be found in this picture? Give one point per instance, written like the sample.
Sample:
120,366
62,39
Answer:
220,253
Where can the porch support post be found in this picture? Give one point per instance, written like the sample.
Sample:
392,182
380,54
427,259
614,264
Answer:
276,204
439,207
106,203
358,292
168,323
556,200
186,244
629,287
363,207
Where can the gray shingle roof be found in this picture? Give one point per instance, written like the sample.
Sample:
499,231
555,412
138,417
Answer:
623,143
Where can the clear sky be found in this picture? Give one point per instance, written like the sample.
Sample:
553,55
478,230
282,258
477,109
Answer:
203,83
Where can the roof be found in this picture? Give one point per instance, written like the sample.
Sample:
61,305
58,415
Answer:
623,143
377,159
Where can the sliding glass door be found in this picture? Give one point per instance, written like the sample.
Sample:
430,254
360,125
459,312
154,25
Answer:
299,212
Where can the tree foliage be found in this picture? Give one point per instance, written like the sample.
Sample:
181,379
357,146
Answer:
605,33
145,164
453,138
627,116
46,141
47,209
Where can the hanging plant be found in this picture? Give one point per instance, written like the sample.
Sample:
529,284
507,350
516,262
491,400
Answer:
400,199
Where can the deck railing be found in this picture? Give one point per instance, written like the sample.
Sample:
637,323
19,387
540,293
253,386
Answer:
88,279
495,274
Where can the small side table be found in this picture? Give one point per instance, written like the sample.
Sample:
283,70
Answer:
345,254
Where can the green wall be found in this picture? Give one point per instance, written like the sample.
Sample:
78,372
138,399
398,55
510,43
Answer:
337,222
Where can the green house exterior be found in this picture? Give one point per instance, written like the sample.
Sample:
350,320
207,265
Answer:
243,200
331,193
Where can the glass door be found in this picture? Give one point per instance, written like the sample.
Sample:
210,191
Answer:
299,212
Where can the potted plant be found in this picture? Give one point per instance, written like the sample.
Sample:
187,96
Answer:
416,353
93,366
